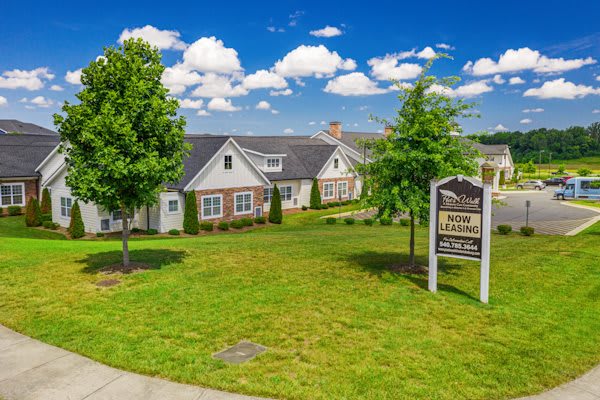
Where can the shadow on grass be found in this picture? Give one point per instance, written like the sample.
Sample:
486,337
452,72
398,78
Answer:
155,258
378,263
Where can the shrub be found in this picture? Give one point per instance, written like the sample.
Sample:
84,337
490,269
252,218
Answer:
275,214
260,220
304,208
349,221
48,225
502,180
584,172
76,228
345,202
14,210
330,221
237,224
151,231
1,211
324,206
46,205
135,230
247,221
334,204
368,221
33,215
424,223
207,226
224,226
174,232
504,229
404,221
46,217
315,195
527,230
99,234
385,220
191,224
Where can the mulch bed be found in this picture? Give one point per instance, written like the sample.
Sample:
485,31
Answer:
120,269
407,269
108,283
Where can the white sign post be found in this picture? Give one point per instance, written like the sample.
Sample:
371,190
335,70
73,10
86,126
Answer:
460,224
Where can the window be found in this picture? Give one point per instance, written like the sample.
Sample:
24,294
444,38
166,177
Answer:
586,185
328,189
229,161
267,195
336,163
212,206
342,188
117,215
173,206
286,193
273,163
12,194
243,203
105,224
258,212
65,207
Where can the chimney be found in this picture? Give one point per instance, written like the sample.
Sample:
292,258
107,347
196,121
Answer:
387,131
335,129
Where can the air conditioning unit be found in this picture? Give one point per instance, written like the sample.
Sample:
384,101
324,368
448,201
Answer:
295,201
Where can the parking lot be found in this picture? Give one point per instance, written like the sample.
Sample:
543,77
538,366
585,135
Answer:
546,215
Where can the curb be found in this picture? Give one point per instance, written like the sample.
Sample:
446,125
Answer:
583,227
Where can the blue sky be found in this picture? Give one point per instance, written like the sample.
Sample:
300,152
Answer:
326,61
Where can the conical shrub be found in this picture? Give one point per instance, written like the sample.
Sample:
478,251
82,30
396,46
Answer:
191,225
33,215
275,214
76,227
46,205
315,195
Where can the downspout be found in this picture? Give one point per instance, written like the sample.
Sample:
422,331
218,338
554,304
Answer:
147,217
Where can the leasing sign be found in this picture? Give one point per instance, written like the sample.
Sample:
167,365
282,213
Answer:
459,215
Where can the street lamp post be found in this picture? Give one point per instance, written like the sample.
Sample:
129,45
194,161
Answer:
540,165
549,163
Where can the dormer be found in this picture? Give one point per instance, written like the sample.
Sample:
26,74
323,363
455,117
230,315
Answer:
266,162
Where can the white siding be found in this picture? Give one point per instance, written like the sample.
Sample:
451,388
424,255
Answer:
351,153
215,176
168,220
343,170
89,212
52,165
304,194
296,185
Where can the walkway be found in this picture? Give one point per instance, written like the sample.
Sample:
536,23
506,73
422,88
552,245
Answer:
32,370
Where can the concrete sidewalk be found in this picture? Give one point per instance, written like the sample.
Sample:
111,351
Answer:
32,370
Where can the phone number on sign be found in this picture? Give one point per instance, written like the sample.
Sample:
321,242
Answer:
458,246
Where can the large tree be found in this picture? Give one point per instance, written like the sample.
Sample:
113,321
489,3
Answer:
123,140
422,146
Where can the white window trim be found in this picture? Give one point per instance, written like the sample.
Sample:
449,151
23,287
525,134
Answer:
338,188
333,190
178,207
235,195
22,184
220,196
291,192
336,160
65,217
225,162
271,189
276,168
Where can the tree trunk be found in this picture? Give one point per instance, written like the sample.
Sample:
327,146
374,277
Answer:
125,236
411,257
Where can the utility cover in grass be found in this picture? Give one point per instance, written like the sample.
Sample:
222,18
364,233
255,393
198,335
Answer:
241,352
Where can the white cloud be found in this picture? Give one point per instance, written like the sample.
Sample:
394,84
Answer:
353,84
288,131
214,85
209,54
22,79
328,31
525,121
524,59
426,53
561,89
533,110
263,79
315,61
221,104
596,111
73,77
498,79
473,89
177,78
275,112
387,67
294,17
444,46
312,123
516,80
56,88
38,101
273,29
189,103
285,92
3,101
263,105
163,39
500,128
323,123
202,113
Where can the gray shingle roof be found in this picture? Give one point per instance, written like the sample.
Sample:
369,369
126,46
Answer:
13,125
305,157
487,149
21,154
350,138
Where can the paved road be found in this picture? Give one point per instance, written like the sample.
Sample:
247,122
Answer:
546,215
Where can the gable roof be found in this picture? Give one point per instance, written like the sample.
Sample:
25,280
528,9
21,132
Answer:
487,149
21,154
349,139
304,157
14,125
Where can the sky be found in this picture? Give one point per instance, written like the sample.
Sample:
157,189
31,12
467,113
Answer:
290,67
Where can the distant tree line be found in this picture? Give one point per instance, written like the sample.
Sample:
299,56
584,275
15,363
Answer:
573,142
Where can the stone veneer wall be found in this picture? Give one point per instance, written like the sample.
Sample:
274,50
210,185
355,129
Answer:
229,201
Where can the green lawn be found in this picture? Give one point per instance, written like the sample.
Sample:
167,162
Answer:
338,325
589,203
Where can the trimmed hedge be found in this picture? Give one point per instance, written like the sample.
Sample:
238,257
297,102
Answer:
349,221
46,217
404,221
224,226
247,221
504,229
237,224
527,231
330,221
50,225
1,211
315,195
151,231
174,232
368,221
207,226
46,205
385,220
13,210
304,208
260,220
324,206
191,224
275,213
135,230
99,234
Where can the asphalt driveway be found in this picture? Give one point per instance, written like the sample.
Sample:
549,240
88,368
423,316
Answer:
546,215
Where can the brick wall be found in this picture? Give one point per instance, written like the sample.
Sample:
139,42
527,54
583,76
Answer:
350,181
229,201
30,191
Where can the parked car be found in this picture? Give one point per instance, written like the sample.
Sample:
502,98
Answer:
580,188
557,181
531,184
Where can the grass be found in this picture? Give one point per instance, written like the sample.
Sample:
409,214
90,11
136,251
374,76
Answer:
337,323
589,203
15,227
